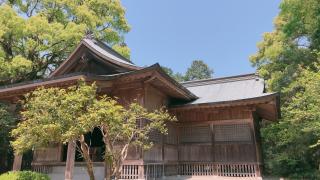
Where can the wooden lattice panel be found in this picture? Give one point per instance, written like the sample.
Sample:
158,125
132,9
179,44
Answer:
171,137
155,136
234,153
191,152
153,154
195,134
170,153
232,132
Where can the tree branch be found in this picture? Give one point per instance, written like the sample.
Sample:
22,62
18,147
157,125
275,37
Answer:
31,11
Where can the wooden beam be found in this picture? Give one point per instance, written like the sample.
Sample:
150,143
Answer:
215,122
70,160
256,139
141,171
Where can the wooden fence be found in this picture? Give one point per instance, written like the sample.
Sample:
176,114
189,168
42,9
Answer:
156,171
219,169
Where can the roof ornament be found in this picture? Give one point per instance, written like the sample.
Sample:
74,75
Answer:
89,34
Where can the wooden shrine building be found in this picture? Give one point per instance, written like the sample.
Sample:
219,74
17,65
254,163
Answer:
217,132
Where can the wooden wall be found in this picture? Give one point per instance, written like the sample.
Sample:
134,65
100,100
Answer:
207,135
209,114
134,153
201,135
48,154
216,135
155,99
128,94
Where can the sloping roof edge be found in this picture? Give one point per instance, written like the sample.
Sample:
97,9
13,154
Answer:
266,96
41,82
115,58
219,80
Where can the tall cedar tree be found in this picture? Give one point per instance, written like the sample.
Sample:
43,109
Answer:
197,71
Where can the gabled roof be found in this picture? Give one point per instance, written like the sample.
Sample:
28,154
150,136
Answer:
231,88
247,89
107,52
152,74
106,55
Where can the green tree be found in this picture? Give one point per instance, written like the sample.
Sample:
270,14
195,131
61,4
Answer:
56,115
7,123
198,70
177,76
51,116
292,46
124,127
36,36
288,58
291,147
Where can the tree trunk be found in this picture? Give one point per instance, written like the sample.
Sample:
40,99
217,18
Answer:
108,159
108,169
85,153
17,162
117,172
70,161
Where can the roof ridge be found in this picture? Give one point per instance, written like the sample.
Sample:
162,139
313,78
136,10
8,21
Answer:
111,49
220,80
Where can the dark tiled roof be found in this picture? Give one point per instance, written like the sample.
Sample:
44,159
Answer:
107,51
233,88
90,76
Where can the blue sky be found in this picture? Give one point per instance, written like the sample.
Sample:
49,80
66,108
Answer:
223,33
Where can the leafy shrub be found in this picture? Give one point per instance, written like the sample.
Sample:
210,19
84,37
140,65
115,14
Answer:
24,175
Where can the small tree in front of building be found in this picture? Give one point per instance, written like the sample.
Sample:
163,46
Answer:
51,116
55,115
124,127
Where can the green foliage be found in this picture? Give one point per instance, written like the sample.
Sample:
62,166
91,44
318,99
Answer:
56,115
294,44
52,116
291,146
177,76
36,36
122,49
24,175
288,58
124,127
121,124
7,123
197,71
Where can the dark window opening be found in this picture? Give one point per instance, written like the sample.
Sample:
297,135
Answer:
96,147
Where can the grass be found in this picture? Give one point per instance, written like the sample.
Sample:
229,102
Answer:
23,175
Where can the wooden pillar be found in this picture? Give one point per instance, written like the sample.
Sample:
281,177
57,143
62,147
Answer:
212,142
70,160
255,132
17,162
141,172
